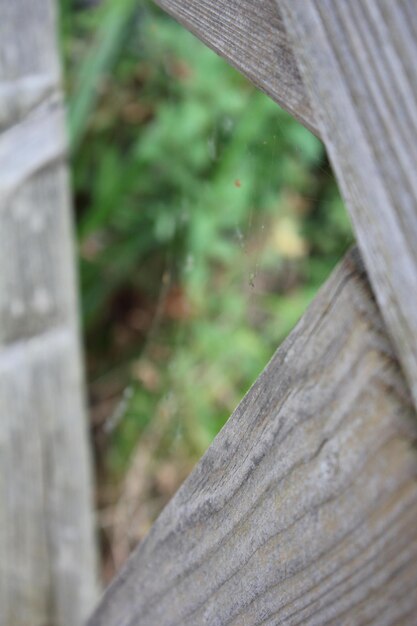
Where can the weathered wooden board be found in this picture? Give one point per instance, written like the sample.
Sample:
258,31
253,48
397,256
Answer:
47,548
359,63
251,37
304,509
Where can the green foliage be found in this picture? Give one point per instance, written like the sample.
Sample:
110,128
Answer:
206,217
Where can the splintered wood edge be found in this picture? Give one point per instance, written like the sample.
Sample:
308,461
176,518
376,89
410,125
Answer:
251,37
303,509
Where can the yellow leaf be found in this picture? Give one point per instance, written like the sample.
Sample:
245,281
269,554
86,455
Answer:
287,240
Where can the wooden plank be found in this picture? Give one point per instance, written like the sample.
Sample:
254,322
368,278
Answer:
47,547
251,37
304,509
359,63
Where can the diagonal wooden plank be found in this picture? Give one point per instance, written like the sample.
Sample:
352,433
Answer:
303,510
251,37
359,63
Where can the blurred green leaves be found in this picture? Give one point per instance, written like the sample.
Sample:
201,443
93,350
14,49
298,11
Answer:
112,21
206,217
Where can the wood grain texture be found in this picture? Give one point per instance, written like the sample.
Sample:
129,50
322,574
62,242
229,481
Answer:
47,547
358,60
251,37
304,509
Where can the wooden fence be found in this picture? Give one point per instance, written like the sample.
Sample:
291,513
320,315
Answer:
47,547
304,509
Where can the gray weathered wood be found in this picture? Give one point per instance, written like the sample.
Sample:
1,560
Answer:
304,509
358,60
47,547
251,37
